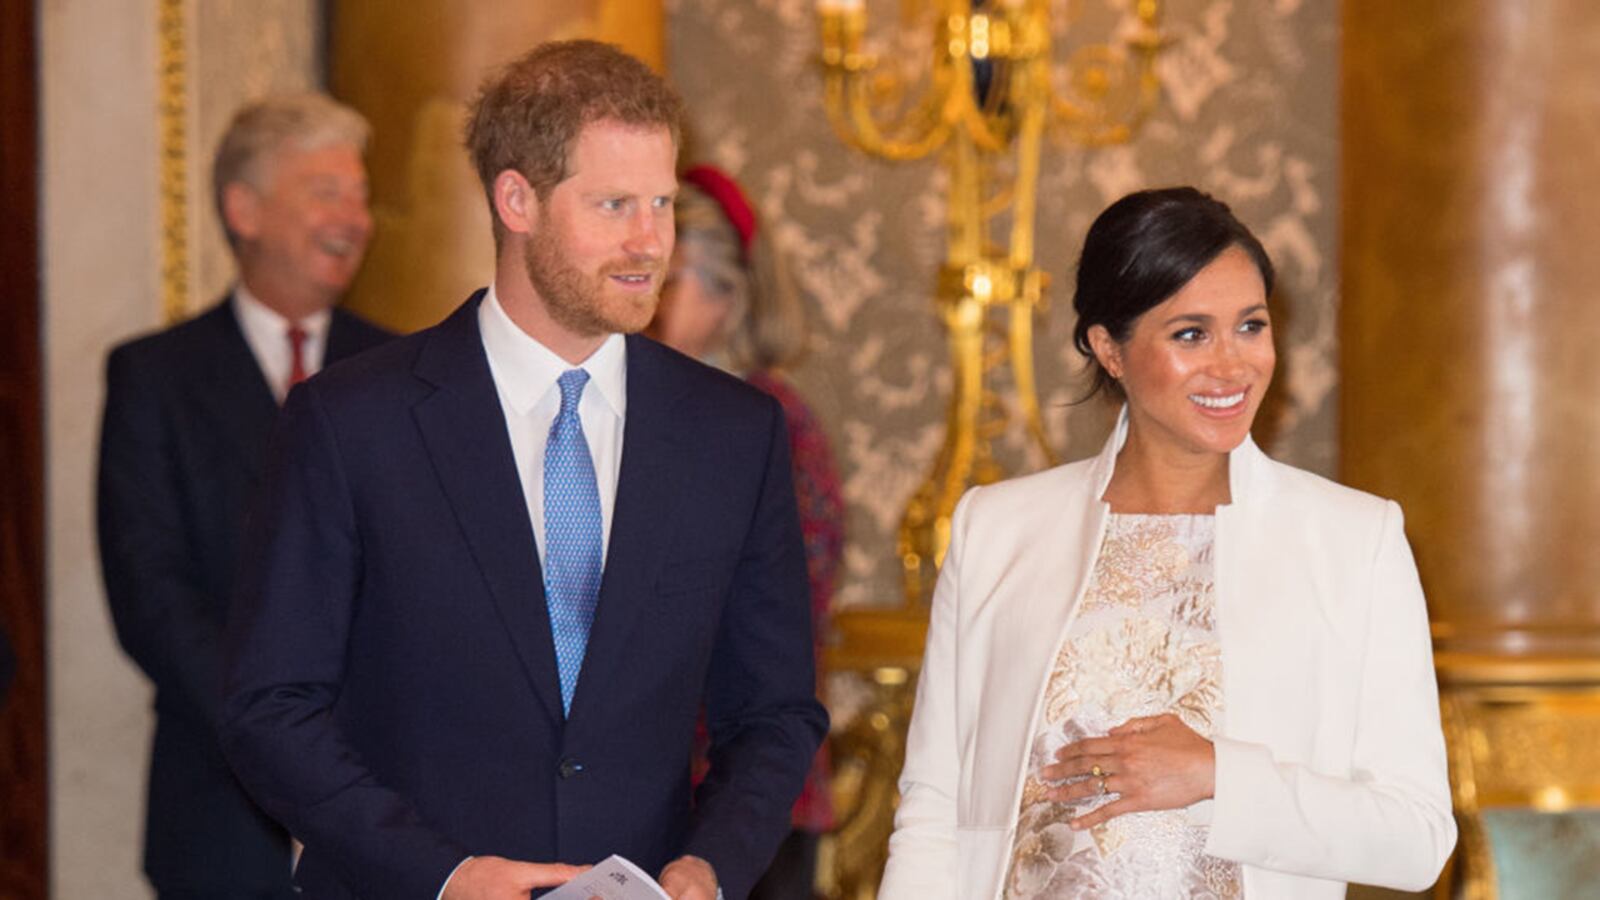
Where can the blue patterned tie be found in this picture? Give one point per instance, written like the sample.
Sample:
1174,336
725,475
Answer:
571,535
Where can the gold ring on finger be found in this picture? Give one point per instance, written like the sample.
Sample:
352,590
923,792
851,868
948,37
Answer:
1097,772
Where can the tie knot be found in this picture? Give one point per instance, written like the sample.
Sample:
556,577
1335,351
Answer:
297,336
572,382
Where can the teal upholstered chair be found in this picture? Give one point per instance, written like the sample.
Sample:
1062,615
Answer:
1524,740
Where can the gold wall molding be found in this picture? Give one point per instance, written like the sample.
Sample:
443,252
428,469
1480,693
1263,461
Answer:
212,57
174,23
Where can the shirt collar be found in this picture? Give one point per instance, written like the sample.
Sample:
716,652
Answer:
266,323
526,370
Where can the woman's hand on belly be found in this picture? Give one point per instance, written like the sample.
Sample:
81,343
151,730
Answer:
1156,762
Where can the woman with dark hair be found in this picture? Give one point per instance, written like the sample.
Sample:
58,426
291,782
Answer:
1178,669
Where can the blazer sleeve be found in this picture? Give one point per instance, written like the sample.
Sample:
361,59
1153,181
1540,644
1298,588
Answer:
761,706
164,619
923,849
1389,824
294,603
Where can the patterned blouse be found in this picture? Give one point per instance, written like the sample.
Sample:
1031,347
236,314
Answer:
1144,643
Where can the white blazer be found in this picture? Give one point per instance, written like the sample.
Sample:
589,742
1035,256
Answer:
1330,761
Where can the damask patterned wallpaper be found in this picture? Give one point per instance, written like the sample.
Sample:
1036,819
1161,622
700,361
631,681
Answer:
1249,113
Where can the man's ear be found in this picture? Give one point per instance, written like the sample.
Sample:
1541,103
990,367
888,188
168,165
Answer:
1107,352
241,210
515,203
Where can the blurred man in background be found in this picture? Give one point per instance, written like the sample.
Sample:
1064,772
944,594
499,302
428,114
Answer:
189,411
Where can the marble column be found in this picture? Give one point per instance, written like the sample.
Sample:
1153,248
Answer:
1471,327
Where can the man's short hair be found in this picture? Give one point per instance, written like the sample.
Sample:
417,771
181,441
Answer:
528,115
263,128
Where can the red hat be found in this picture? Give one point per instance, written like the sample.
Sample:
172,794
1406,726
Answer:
723,189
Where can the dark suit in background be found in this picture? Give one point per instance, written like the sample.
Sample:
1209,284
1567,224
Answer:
187,422
393,691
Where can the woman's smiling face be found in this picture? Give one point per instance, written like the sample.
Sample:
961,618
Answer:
1195,367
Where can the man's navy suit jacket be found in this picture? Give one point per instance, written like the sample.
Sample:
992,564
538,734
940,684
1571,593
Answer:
392,688
188,418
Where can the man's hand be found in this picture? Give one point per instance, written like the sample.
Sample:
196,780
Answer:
1156,762
689,878
498,878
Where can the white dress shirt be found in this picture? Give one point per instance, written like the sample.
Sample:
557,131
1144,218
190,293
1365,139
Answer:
267,333
525,373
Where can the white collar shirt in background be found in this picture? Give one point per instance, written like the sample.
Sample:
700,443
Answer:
525,373
267,333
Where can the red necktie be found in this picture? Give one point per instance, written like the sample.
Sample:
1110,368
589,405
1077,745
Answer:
297,358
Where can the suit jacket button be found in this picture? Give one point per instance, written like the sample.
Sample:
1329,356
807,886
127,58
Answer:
569,767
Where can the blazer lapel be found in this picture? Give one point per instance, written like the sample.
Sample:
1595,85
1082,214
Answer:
645,501
1048,589
1254,617
1077,525
464,429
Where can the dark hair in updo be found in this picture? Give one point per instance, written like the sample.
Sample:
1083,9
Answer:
1143,249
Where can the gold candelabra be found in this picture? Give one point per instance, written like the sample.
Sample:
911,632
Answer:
991,94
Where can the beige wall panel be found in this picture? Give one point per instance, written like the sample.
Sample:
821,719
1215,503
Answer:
1470,319
412,70
103,251
101,255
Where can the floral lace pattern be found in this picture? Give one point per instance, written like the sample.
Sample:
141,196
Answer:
1144,643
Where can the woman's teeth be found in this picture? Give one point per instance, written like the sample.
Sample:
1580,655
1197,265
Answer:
1218,402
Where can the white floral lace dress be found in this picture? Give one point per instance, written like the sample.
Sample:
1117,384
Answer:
1144,643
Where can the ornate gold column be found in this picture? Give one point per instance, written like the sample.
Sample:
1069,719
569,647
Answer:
1471,370
411,68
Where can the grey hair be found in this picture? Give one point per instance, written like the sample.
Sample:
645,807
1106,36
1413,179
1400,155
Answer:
260,130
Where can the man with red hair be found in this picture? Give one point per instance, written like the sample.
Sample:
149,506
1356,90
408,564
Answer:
502,563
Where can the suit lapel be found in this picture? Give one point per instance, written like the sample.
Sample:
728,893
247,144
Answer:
464,429
233,390
645,499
